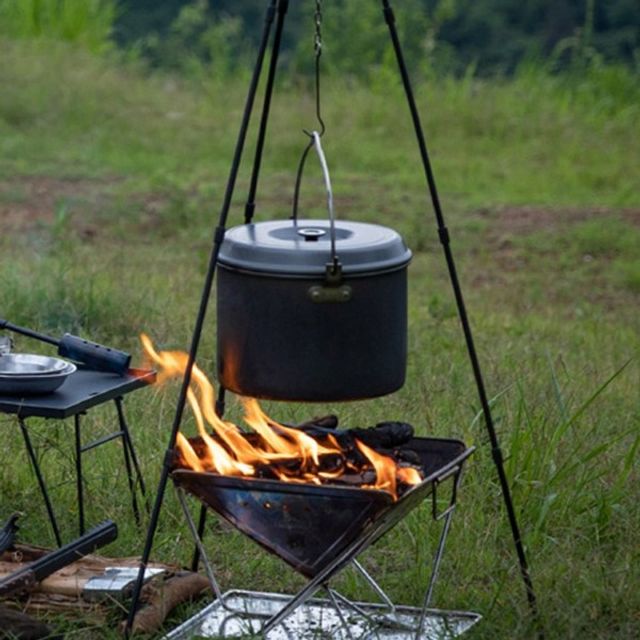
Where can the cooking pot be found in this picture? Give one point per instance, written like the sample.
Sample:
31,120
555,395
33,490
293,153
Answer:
312,310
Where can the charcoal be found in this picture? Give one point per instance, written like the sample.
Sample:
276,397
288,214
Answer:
356,479
408,455
385,435
323,422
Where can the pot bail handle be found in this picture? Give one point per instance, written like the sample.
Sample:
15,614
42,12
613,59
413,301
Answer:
334,265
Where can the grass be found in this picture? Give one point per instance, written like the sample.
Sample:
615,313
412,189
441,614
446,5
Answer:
88,24
110,179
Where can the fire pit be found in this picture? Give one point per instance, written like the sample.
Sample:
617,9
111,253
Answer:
315,495
309,525
319,530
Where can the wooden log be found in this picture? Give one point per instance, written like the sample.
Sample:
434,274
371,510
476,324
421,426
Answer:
61,592
16,625
160,599
69,580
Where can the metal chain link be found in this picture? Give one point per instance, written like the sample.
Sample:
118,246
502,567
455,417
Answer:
317,47
317,43
318,50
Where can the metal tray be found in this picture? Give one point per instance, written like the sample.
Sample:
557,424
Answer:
239,614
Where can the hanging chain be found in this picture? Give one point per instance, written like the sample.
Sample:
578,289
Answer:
317,48
318,35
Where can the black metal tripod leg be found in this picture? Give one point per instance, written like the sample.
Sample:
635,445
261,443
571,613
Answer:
202,521
283,6
43,488
464,321
202,311
79,483
130,461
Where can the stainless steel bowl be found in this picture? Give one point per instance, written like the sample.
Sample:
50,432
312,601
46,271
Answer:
30,374
28,364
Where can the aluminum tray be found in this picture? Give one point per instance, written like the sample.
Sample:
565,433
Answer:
317,619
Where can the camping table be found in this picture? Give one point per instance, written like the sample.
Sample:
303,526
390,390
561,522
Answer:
83,389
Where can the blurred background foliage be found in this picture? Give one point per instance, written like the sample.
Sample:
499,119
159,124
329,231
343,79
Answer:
485,37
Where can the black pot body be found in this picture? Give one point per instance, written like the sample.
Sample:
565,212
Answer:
276,342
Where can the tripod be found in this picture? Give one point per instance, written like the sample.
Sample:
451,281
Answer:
276,12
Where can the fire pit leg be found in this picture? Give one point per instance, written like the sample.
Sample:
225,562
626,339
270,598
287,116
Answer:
388,619
197,539
434,571
374,585
336,606
198,542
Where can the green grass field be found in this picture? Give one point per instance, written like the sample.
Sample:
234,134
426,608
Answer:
110,185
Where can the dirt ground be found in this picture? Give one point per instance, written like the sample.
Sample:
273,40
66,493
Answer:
30,202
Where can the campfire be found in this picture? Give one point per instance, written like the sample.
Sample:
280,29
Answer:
314,453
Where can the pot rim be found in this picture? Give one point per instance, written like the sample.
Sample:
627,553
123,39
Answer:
288,248
316,276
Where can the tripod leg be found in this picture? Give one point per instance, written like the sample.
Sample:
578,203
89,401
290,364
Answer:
202,311
202,519
250,207
444,239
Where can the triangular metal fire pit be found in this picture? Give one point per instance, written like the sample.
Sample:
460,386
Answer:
309,525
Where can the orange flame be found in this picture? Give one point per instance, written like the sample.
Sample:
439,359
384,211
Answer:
290,454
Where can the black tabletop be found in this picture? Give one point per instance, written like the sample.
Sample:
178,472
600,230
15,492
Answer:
81,390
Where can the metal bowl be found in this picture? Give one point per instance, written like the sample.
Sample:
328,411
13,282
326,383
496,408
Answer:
28,364
27,374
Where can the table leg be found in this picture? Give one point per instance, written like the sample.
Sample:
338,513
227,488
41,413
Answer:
130,457
43,488
80,490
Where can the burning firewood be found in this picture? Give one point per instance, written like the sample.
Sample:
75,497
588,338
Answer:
347,460
316,452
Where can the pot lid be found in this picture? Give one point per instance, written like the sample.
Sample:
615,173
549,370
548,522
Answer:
303,247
